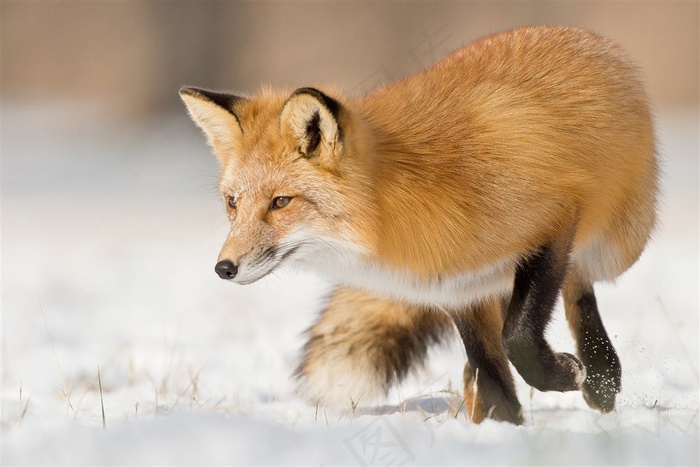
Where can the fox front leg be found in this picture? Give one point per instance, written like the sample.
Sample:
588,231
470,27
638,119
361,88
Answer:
489,389
538,280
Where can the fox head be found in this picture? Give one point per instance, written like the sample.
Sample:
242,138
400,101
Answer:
285,179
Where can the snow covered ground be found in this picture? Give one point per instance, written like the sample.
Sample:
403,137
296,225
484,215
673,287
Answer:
110,234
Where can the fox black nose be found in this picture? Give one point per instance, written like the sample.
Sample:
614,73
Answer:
226,269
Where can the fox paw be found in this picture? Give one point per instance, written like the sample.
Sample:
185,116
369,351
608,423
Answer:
599,390
573,372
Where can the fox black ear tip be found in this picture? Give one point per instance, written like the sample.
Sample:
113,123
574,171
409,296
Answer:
187,91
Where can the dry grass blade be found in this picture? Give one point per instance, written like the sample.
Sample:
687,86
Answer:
22,407
102,402
58,364
459,409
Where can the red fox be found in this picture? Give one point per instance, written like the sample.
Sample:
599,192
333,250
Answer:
468,195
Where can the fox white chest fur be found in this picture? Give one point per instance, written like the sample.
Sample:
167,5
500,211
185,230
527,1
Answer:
341,263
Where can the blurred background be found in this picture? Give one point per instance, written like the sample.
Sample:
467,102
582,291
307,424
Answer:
111,222
131,57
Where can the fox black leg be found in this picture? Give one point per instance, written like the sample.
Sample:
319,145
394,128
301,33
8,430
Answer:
489,390
538,279
603,370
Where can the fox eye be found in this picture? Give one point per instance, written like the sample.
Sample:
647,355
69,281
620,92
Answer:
231,202
280,202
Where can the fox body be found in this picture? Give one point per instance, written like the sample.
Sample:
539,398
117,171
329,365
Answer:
470,194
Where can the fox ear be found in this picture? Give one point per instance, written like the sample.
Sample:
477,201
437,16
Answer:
214,112
310,120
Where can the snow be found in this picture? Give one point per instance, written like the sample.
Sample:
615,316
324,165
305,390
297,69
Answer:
110,235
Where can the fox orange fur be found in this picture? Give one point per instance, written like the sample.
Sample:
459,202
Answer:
470,194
